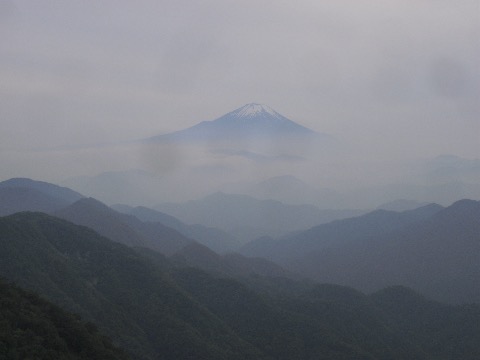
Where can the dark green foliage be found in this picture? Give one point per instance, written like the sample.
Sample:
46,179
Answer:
108,283
300,320
444,331
32,328
277,331
157,310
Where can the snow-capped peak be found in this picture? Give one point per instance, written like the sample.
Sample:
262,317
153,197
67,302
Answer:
250,121
253,109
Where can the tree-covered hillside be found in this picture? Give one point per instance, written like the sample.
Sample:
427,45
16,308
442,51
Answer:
123,293
32,328
156,309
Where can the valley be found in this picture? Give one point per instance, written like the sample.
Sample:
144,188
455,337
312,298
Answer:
140,274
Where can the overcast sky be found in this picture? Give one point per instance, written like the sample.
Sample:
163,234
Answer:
392,73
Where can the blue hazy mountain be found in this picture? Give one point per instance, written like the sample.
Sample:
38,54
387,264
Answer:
249,121
433,250
58,192
123,228
248,218
216,239
22,194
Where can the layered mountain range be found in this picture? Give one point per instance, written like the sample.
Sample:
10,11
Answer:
256,151
159,293
248,217
154,309
431,249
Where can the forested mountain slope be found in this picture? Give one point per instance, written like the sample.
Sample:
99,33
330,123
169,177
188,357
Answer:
168,312
106,282
33,328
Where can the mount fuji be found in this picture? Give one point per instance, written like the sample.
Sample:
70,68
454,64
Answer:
252,121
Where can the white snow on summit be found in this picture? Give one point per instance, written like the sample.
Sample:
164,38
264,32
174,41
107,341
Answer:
253,121
251,110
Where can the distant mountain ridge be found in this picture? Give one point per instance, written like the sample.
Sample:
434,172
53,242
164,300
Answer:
288,189
337,233
247,217
401,205
59,192
229,265
249,121
22,194
216,239
123,228
432,250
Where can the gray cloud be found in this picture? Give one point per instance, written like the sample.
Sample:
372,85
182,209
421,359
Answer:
377,74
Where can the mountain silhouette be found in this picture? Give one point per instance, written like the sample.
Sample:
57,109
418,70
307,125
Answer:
249,121
432,250
22,194
123,228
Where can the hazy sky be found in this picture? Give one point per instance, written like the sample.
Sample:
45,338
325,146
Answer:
399,75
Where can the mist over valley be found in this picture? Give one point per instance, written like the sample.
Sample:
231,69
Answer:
239,180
